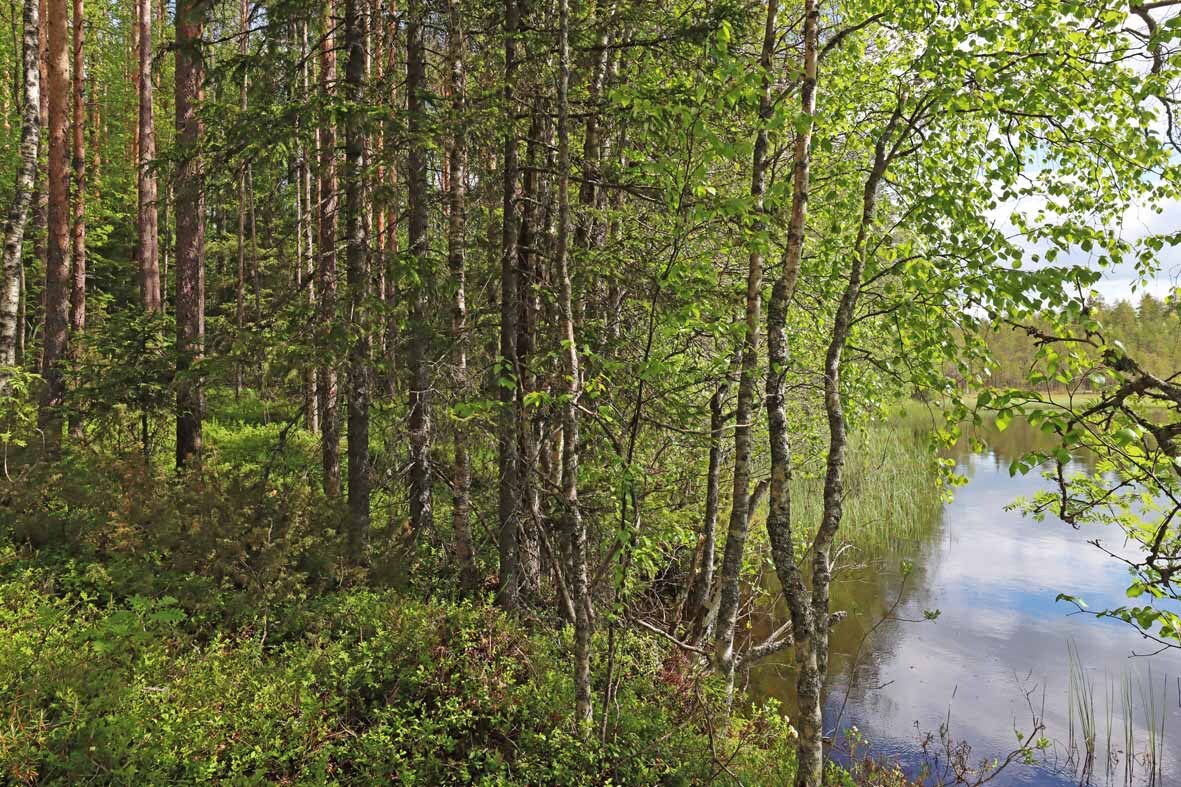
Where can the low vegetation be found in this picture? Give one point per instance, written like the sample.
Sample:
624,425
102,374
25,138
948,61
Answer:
327,326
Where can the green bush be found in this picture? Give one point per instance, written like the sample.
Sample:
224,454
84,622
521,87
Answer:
358,687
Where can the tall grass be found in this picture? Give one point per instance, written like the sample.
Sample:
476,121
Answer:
1129,728
1081,707
1153,753
1110,694
1141,747
893,495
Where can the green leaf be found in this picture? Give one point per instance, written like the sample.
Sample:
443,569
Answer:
1003,419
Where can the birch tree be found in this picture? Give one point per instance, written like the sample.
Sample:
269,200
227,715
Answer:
18,213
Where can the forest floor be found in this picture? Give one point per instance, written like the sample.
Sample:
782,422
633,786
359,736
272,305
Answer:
159,629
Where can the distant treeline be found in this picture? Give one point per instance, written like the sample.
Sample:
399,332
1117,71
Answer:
1150,330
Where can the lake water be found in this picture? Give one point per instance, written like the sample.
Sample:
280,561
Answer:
999,645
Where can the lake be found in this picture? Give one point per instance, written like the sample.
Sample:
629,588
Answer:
999,651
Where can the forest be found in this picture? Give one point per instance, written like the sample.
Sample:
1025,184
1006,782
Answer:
500,391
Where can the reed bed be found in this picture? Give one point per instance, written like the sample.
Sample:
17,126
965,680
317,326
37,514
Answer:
1139,748
893,493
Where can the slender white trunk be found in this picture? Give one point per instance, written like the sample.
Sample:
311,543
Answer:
18,214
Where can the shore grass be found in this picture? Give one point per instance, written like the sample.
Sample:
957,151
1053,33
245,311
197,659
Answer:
893,494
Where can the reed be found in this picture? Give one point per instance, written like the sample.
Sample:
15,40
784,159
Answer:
1129,728
1081,707
1155,709
893,495
1143,744
1109,690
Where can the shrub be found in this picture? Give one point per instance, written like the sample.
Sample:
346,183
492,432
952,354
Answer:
358,687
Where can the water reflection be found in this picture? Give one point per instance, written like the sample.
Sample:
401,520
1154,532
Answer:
1000,641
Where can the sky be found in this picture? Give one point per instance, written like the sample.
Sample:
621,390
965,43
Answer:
1117,282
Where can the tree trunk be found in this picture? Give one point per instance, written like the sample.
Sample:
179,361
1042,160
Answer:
585,235
421,504
40,196
55,335
329,418
831,515
18,214
307,259
357,276
133,71
165,241
703,580
240,288
78,235
575,527
456,262
254,266
391,245
507,376
190,231
378,200
739,526
147,227
779,525
94,126
530,432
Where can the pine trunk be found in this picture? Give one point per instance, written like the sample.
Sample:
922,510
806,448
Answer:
190,231
78,230
329,418
55,335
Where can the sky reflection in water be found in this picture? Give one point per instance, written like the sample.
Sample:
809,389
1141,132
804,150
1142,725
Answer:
993,575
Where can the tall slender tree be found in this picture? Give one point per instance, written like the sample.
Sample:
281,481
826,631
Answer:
739,525
779,524
461,480
508,376
575,527
307,256
55,334
243,198
390,202
11,287
533,232
326,268
357,275
421,501
78,230
40,193
147,218
190,230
